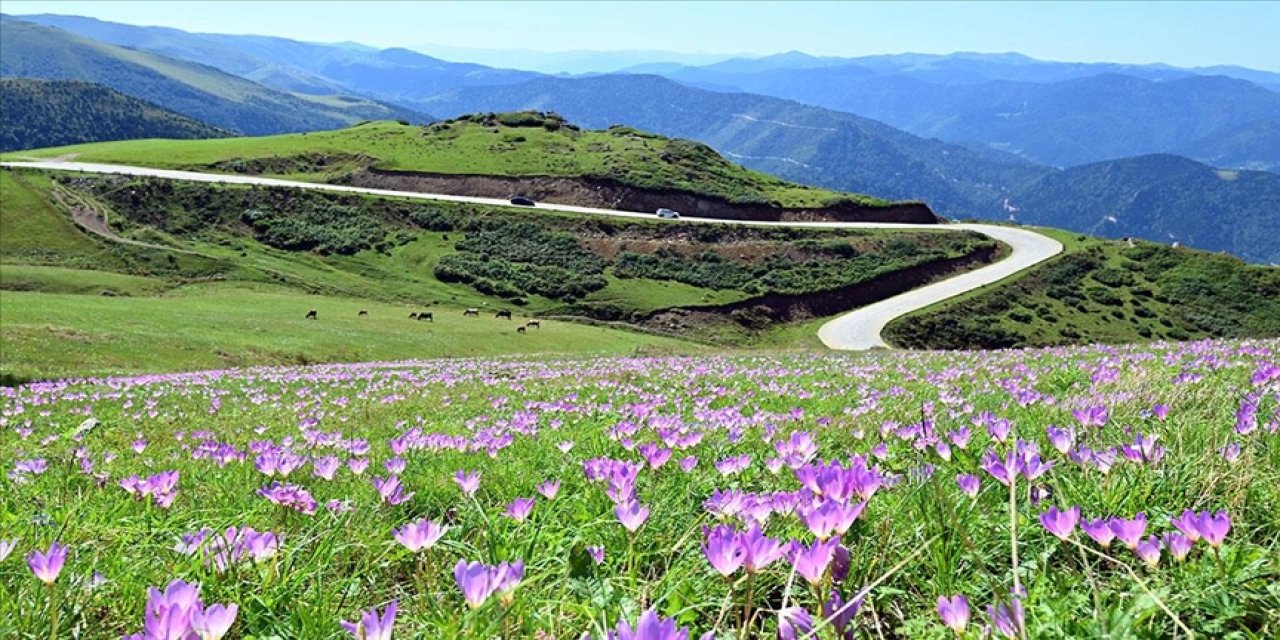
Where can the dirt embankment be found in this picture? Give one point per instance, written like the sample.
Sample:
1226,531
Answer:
605,193
760,311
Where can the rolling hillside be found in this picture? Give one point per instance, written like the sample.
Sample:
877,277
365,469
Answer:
50,113
518,144
179,254
194,90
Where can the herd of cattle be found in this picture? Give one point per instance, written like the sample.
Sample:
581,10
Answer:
430,317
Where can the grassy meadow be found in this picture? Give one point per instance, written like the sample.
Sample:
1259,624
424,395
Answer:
730,496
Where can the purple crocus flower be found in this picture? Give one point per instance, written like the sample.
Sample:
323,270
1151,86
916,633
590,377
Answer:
969,484
549,489
687,463
371,626
954,612
1129,531
504,579
794,623
841,613
519,509
1095,416
1062,439
649,627
1186,523
473,580
722,550
1179,545
419,535
1008,619
758,550
7,547
631,514
47,565
213,622
811,562
1099,530
1149,551
597,554
1213,528
1060,523
469,482
390,490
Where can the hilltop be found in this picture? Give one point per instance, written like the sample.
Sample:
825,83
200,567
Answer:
194,90
47,113
497,154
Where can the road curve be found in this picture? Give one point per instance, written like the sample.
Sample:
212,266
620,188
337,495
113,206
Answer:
856,330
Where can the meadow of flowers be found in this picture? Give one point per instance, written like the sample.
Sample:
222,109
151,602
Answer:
1085,492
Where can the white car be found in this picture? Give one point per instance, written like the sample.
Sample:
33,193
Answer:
669,214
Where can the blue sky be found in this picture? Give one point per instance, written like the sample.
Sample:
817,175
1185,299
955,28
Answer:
1178,33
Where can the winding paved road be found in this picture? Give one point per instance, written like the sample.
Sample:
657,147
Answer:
856,330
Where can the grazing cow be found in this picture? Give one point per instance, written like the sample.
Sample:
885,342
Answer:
362,313
471,312
503,314
533,324
413,316
519,329
311,315
426,315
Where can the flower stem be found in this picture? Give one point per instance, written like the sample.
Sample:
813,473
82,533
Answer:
53,612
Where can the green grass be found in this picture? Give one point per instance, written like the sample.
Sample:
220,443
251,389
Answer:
32,224
15,277
917,538
215,326
644,295
465,147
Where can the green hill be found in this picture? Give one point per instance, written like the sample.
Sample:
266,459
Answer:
194,90
48,113
1105,291
168,257
508,144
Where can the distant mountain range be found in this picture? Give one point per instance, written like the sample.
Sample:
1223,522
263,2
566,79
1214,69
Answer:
1052,116
979,134
202,92
53,113
395,75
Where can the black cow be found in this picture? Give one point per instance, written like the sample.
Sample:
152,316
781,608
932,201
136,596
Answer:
503,314
426,315
362,313
311,315
413,316
519,329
